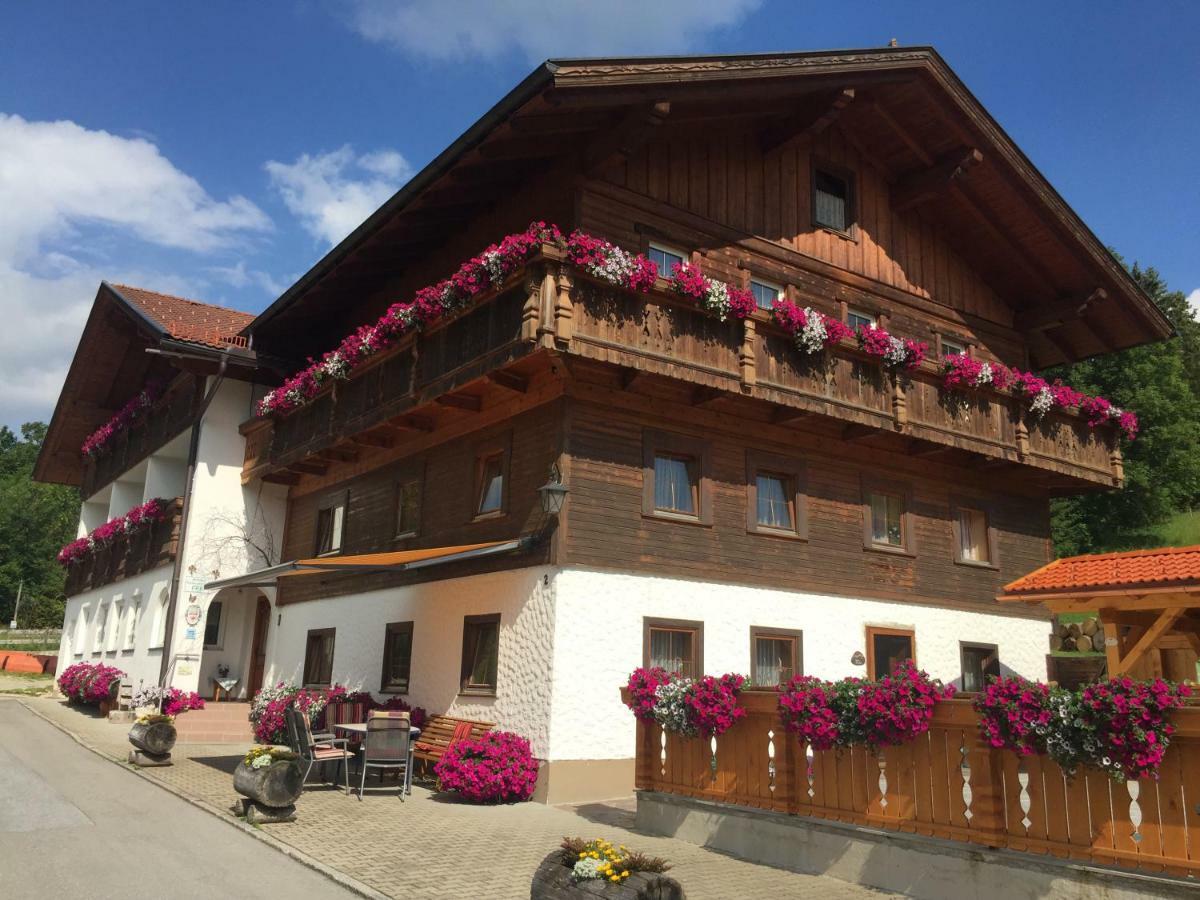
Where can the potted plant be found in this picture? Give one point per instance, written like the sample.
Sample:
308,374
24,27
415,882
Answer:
271,781
598,868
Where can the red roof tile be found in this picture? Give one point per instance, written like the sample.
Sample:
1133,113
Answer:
1166,566
189,320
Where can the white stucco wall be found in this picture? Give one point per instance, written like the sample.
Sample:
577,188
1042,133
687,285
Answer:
523,598
138,604
222,513
598,642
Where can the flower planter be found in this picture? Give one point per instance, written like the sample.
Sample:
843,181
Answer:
552,881
271,792
157,737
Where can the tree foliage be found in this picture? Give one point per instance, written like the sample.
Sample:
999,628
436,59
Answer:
35,521
1161,383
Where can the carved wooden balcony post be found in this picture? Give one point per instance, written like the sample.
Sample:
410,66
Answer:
747,352
531,311
899,402
1117,460
1022,430
564,309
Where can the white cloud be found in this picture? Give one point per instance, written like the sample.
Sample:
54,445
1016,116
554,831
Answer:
462,29
241,276
1193,300
67,190
332,193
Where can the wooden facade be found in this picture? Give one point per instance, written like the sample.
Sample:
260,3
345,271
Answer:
127,555
947,784
952,238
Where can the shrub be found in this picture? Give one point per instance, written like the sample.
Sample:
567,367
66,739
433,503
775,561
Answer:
643,691
707,706
806,708
495,768
268,706
713,703
1015,714
89,682
172,701
898,708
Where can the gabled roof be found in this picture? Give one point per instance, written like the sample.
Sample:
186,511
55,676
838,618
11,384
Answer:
912,115
1160,568
111,363
186,320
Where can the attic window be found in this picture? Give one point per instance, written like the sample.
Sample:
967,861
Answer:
831,200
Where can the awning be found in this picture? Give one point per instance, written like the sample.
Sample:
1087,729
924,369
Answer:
398,561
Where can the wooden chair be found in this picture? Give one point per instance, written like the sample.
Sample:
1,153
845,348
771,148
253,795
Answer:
328,749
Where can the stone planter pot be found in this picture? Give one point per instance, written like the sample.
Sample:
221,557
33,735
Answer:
552,881
271,792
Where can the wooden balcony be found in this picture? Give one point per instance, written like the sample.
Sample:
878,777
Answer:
169,416
948,784
553,307
128,555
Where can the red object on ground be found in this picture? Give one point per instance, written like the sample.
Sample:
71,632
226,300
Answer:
20,662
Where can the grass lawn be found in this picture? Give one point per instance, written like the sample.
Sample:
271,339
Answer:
26,683
1181,530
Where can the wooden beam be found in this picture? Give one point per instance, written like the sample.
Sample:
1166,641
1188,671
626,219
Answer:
371,439
337,454
706,396
923,185
413,423
509,380
631,379
623,140
1002,236
1061,313
465,402
1061,344
786,415
805,125
1162,624
901,132
856,432
281,478
921,449
308,467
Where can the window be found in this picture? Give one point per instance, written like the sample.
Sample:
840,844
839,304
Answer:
666,258
856,319
887,648
158,633
832,200
331,523
131,620
973,537
675,645
675,475
481,653
887,522
775,656
101,624
212,625
765,294
775,501
397,657
318,657
113,626
408,507
80,636
491,484
979,662
952,347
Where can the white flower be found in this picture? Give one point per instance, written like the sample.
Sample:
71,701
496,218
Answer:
493,262
811,338
261,762
985,375
897,353
717,299
1041,403
586,869
616,268
335,366
670,711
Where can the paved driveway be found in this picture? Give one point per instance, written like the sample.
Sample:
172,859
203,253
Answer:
74,825
429,846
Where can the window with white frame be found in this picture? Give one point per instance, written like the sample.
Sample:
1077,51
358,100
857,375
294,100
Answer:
158,632
80,637
101,623
130,629
857,318
666,258
113,626
951,347
765,293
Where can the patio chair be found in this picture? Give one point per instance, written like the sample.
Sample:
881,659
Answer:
385,746
312,752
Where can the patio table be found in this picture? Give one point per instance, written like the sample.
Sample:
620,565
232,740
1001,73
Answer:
413,734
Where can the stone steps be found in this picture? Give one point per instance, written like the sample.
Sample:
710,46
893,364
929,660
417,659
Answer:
217,723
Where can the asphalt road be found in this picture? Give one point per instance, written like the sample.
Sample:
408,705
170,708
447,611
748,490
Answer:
75,825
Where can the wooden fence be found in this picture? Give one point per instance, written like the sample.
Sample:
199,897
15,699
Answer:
948,784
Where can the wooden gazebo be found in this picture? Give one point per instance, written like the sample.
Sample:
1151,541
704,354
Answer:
1148,602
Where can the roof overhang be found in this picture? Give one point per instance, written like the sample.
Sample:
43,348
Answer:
1076,297
398,561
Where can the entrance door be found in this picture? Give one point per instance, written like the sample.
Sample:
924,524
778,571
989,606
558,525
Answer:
258,650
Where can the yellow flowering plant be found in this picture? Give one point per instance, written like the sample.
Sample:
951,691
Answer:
154,719
261,757
599,859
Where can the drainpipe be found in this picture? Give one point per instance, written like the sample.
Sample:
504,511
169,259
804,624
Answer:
177,570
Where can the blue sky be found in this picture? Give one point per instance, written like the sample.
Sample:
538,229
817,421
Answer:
218,150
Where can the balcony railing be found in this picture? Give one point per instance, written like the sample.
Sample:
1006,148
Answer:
162,422
948,784
553,305
140,552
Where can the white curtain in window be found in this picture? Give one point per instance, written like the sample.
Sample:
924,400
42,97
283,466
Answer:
672,485
972,535
772,661
885,519
672,650
772,502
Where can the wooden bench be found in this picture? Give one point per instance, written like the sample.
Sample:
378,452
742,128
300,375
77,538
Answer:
439,732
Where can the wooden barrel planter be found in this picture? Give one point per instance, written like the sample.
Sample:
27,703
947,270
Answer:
271,792
152,743
552,881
